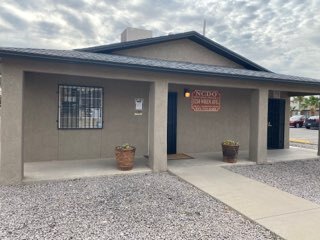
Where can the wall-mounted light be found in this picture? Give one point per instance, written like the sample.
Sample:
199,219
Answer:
187,93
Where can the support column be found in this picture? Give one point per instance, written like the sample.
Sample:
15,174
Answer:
258,126
158,101
286,123
319,133
11,162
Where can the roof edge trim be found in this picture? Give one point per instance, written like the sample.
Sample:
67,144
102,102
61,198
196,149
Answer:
156,68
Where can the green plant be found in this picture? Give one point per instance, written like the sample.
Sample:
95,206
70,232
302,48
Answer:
125,146
313,103
230,143
307,103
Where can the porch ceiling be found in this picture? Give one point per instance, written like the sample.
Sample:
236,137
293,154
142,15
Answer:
293,94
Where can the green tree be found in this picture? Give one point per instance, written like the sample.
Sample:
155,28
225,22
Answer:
301,102
313,103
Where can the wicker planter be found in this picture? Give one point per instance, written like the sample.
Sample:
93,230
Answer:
230,153
125,158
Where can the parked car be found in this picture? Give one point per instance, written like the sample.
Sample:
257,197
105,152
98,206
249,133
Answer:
297,121
312,122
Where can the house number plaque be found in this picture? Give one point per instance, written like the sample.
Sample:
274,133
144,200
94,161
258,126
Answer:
205,101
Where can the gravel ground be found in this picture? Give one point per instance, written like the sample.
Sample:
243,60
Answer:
300,178
142,206
302,145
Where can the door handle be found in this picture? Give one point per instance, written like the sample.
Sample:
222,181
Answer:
269,124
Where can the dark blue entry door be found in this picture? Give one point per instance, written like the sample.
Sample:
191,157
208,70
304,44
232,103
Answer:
172,123
276,123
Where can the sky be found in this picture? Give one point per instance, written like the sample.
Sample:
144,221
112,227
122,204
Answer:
282,36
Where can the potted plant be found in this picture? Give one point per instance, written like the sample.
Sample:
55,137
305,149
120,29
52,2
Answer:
230,150
125,156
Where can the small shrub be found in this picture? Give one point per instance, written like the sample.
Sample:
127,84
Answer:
230,143
125,146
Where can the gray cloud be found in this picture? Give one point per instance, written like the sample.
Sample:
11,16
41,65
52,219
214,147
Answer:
48,28
81,24
73,4
12,20
28,5
280,35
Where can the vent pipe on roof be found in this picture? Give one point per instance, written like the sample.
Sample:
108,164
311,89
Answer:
204,27
130,34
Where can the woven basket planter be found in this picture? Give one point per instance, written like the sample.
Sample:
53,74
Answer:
230,153
125,158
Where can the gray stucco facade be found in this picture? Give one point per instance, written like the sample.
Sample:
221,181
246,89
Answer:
30,106
43,141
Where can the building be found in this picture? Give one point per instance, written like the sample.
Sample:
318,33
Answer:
80,104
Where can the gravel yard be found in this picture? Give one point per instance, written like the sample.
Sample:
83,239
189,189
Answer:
142,206
300,178
302,145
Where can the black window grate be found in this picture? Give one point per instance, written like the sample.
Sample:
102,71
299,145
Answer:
80,107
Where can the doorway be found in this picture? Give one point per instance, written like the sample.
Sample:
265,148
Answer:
276,123
172,123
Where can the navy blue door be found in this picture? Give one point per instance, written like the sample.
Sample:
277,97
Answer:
276,123
172,123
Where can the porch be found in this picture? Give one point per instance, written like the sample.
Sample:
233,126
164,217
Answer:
60,170
215,158
72,169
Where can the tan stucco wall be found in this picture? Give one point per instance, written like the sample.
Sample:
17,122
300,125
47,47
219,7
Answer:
43,141
180,50
204,131
196,131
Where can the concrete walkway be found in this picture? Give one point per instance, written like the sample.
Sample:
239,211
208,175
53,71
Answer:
288,216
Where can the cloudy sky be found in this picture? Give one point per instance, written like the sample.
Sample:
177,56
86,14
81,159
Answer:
281,35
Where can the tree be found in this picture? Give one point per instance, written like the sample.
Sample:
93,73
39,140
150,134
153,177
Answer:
300,101
313,103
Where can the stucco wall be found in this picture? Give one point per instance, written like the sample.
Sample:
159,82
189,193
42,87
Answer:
204,131
196,131
43,141
180,50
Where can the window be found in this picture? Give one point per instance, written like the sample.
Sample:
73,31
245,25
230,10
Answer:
80,107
